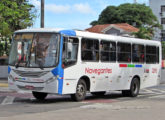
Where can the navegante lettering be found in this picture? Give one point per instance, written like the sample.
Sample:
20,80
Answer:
98,71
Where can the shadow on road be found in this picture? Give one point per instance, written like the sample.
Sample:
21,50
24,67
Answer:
51,99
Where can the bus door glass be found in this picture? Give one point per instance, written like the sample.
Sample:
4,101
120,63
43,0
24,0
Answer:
70,50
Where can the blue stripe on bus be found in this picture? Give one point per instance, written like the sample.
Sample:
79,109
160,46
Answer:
59,70
9,70
68,32
55,71
139,66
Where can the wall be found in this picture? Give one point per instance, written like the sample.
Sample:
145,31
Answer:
113,31
155,5
3,71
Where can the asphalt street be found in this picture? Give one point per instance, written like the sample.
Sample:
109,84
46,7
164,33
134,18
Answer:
14,106
12,103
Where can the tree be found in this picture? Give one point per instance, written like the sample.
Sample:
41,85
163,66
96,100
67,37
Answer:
14,15
143,33
138,15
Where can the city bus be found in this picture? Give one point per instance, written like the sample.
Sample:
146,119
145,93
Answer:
53,61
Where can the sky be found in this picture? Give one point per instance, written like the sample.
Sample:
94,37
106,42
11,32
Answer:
74,14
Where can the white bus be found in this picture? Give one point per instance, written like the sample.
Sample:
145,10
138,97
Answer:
44,61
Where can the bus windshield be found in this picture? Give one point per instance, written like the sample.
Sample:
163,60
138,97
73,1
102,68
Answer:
34,50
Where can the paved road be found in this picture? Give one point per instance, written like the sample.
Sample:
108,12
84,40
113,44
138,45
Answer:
18,104
12,104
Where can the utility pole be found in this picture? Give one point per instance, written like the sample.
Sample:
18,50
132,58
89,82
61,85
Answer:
135,1
42,13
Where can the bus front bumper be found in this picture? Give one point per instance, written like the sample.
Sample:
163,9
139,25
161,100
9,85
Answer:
28,85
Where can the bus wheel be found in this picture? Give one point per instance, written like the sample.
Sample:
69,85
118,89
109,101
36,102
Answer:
134,88
80,91
39,95
98,93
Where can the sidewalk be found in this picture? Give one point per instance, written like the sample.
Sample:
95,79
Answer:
3,85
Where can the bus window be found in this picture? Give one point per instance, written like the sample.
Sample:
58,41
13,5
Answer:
151,54
157,57
89,49
70,50
138,53
124,52
108,51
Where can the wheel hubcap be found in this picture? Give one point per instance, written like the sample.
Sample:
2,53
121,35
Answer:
80,90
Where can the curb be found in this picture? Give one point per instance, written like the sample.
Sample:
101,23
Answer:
3,85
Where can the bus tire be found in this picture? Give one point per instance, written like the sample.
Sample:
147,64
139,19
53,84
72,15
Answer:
80,91
98,93
39,95
134,88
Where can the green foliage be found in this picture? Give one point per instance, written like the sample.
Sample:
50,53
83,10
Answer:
163,50
93,23
143,33
138,15
4,47
14,15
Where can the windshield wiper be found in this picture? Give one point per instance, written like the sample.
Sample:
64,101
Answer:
40,66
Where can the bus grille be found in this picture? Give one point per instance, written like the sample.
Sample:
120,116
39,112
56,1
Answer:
35,88
33,74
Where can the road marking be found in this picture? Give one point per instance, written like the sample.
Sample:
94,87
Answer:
146,91
99,101
157,96
153,90
112,107
161,91
8,100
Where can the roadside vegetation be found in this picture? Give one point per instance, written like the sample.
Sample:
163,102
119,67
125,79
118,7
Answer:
14,15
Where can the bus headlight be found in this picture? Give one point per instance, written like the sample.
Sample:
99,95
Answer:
51,79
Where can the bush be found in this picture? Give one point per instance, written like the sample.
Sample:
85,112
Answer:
4,47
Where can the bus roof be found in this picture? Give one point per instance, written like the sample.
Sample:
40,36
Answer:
116,38
91,35
38,30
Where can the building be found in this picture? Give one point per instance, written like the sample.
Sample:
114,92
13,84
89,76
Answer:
121,29
158,8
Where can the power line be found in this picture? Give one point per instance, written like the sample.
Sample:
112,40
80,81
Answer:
42,13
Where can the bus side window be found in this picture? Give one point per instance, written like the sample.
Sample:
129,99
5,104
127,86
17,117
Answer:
70,51
151,54
108,51
157,57
124,52
138,53
90,49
